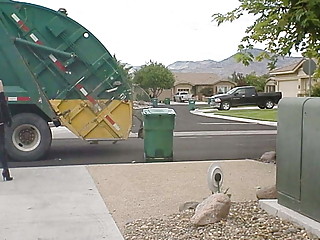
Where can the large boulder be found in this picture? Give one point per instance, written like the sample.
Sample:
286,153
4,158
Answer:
268,157
269,192
212,209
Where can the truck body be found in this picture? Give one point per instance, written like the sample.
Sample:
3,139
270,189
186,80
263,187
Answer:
245,96
55,70
182,96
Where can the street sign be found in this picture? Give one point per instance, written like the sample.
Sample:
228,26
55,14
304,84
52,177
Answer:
309,66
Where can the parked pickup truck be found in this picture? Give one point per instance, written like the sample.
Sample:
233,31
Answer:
246,95
182,96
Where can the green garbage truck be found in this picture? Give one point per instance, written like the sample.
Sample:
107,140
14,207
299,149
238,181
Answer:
55,71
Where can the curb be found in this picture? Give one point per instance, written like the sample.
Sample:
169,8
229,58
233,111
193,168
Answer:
201,113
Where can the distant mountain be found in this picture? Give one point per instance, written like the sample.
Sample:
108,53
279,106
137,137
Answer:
228,66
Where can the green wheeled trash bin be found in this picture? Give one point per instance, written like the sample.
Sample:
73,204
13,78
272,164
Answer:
192,104
154,102
167,101
158,128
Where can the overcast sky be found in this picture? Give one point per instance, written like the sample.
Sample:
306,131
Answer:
164,31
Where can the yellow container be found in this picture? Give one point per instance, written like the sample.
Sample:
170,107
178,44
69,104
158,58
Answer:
107,120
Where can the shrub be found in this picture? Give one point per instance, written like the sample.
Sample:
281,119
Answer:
207,91
315,90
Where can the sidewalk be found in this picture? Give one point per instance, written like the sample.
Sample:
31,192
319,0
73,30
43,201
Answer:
56,203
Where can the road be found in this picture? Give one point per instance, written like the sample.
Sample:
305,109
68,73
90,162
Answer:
196,138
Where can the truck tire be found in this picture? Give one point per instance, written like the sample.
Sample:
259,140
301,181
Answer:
225,105
29,138
269,104
261,106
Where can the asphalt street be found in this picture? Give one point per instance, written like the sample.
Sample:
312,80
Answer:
190,122
196,138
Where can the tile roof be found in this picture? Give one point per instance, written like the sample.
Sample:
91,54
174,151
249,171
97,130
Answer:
197,78
289,68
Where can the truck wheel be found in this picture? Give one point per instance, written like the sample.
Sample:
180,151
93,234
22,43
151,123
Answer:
29,138
225,106
269,104
261,106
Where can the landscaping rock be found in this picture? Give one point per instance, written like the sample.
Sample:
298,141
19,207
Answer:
212,209
245,221
268,157
269,192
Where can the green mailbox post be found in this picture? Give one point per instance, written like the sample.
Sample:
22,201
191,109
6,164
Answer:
158,133
298,151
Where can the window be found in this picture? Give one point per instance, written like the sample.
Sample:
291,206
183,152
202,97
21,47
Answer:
250,92
241,91
271,88
183,90
223,88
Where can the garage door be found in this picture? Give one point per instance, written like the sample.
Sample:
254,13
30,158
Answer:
288,88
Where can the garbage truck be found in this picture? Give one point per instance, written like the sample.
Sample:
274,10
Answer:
55,71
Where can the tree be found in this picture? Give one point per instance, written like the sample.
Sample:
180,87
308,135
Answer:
238,79
259,82
315,90
250,80
207,91
283,25
154,77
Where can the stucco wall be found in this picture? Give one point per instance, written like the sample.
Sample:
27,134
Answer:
167,93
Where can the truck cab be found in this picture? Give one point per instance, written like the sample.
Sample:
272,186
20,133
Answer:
244,96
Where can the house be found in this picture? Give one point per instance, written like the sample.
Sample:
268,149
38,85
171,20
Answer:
195,83
291,80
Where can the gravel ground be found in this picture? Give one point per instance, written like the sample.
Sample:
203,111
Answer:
245,221
139,191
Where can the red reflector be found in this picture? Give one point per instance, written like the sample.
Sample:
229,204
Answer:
23,26
24,98
110,120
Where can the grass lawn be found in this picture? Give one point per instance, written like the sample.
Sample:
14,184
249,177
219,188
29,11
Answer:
258,114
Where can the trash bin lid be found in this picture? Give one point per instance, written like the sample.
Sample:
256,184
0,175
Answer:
158,111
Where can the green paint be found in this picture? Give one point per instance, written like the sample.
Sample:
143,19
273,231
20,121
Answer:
47,54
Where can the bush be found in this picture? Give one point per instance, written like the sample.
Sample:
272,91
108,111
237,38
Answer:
207,92
315,90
